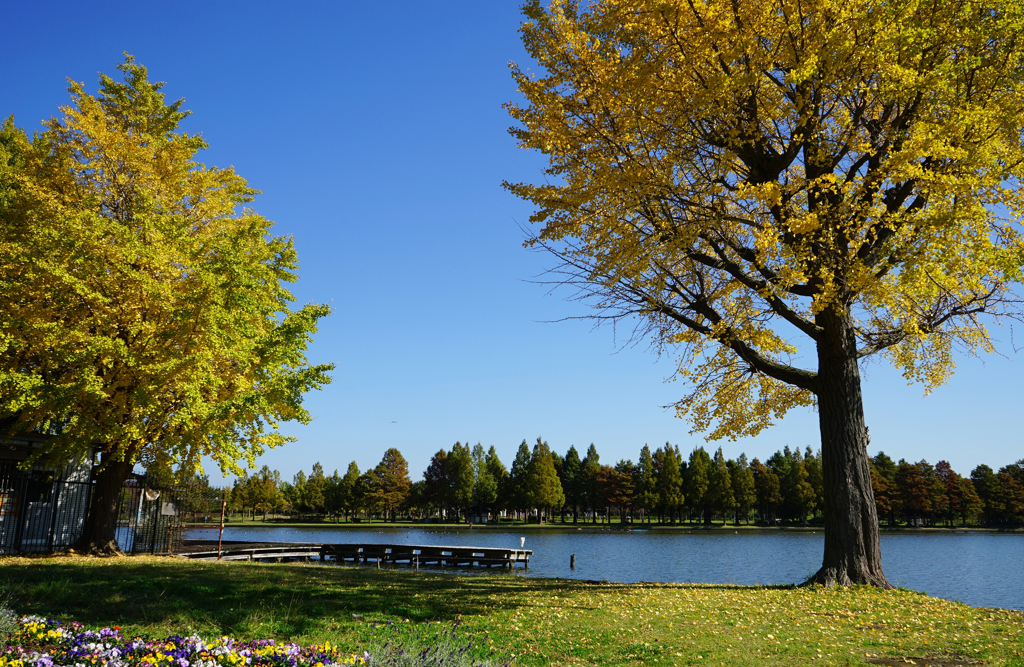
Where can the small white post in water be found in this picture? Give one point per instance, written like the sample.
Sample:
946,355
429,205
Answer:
522,542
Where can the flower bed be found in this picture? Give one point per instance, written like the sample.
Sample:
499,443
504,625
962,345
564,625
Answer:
41,642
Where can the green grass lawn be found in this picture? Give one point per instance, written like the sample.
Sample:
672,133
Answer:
540,621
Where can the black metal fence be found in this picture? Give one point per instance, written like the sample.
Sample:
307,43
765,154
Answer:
42,511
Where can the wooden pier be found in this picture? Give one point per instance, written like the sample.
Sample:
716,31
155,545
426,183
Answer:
414,554
410,554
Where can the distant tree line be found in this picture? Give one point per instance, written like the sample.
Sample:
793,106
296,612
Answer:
923,494
468,483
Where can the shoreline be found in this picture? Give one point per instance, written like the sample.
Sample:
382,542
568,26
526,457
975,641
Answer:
588,528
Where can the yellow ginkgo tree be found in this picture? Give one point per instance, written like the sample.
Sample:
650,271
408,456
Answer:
778,190
145,314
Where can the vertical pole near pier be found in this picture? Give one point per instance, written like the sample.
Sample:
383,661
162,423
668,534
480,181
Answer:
572,561
220,538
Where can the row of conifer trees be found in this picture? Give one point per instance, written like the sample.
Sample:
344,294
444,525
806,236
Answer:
663,486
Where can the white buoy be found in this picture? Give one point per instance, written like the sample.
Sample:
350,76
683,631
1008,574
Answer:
522,542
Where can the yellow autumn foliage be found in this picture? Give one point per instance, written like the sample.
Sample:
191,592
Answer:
144,307
741,174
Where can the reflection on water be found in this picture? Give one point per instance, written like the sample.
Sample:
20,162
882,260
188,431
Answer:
980,569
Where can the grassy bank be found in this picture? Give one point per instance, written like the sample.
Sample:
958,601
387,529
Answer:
541,621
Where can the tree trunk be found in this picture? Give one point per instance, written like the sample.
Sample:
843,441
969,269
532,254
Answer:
852,552
99,535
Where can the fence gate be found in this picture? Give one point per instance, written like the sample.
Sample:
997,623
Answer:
148,517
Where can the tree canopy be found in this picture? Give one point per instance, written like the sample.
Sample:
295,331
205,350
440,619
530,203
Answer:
388,484
146,313
754,181
485,486
543,489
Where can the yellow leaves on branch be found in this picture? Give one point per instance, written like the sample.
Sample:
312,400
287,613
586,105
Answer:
728,168
148,313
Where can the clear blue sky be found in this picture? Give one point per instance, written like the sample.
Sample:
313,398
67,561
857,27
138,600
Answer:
376,133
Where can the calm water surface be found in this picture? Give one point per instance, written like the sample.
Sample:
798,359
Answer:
980,569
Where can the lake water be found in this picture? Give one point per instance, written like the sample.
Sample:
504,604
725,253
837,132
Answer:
979,569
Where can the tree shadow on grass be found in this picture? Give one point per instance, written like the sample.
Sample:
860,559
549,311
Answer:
250,600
